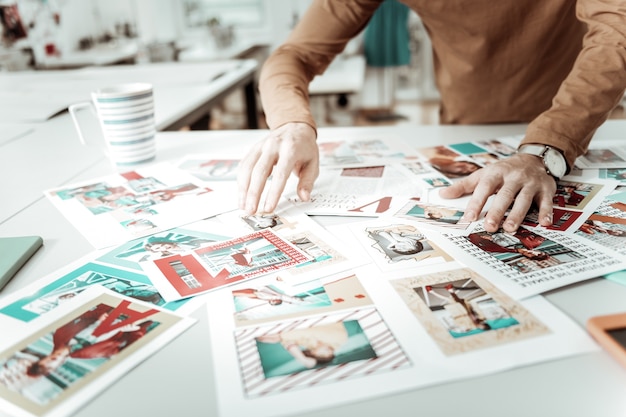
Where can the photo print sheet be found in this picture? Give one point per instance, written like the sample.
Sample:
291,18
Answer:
224,263
393,244
166,243
574,201
436,216
117,270
461,159
607,226
369,339
454,323
115,209
333,346
617,174
269,298
603,155
79,350
328,254
208,168
363,152
371,191
425,174
531,261
463,312
35,301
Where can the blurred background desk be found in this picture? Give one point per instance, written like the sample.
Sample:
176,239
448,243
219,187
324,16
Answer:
99,55
184,93
343,79
178,379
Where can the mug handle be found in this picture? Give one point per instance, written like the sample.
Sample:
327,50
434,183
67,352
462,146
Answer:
73,109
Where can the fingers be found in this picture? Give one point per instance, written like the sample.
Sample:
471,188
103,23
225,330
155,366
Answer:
290,148
308,175
520,205
246,165
515,184
460,187
253,174
276,186
546,209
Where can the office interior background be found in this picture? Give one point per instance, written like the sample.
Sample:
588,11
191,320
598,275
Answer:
145,31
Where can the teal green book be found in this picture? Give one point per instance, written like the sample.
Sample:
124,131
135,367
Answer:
14,253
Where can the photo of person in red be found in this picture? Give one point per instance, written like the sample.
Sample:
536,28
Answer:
523,242
77,339
68,342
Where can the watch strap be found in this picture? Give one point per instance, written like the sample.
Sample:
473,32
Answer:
532,149
540,151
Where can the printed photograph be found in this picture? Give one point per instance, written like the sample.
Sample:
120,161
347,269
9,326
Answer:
262,221
602,156
450,163
53,363
463,312
226,263
211,169
417,168
430,213
339,153
66,287
485,158
495,145
321,253
364,172
437,182
398,245
614,174
128,205
561,219
251,255
257,304
296,350
609,232
574,194
402,243
524,250
349,344
159,245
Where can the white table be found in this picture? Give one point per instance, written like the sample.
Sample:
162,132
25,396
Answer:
184,92
205,50
12,131
178,379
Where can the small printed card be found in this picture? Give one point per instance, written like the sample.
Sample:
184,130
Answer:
216,265
115,209
79,349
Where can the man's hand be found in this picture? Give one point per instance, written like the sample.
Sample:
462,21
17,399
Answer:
519,180
290,148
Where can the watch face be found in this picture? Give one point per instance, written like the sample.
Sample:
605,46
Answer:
555,162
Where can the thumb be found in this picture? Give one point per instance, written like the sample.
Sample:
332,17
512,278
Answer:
458,189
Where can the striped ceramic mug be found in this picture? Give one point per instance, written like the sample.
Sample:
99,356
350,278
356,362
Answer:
125,114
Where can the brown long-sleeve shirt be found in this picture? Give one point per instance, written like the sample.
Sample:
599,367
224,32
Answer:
559,65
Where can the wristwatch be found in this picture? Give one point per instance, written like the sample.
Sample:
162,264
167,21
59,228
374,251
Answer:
553,159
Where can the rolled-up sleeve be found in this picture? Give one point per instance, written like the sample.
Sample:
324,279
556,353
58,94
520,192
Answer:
594,86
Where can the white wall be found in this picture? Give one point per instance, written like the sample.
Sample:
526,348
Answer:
159,20
154,20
